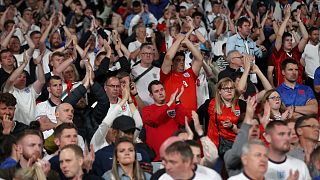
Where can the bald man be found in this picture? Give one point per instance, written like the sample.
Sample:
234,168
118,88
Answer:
64,114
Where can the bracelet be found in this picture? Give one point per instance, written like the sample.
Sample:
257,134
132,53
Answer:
178,102
294,108
136,94
130,102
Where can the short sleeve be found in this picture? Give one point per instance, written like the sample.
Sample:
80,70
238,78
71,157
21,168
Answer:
316,80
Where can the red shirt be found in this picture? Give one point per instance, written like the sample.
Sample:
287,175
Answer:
227,113
278,57
160,123
174,80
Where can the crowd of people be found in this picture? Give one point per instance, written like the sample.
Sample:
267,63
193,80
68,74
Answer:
159,89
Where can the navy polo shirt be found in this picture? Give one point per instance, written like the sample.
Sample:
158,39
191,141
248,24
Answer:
298,96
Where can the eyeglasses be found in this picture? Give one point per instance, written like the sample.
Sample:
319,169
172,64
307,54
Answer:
227,89
311,126
113,86
275,98
147,54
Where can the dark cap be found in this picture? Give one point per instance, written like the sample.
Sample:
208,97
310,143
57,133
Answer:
123,123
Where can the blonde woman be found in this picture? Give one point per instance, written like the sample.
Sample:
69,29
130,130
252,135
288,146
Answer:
222,113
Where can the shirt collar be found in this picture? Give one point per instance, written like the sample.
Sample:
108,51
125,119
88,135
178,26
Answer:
240,38
297,85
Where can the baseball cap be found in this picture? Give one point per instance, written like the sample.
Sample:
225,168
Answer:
124,123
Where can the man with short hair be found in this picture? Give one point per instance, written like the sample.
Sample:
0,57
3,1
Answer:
254,159
64,114
7,66
31,143
71,161
173,74
281,165
299,96
241,41
284,49
64,134
178,162
7,109
26,95
146,72
162,116
307,129
236,61
45,111
310,58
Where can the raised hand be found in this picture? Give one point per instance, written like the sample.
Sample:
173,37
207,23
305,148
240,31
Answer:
196,123
297,17
7,124
251,108
172,97
44,165
287,11
180,93
293,175
38,60
88,159
265,119
188,129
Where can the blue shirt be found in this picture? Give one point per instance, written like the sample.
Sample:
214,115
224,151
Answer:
298,96
8,163
157,10
144,16
316,80
108,175
238,43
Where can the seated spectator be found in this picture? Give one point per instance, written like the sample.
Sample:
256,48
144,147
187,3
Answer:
7,66
64,114
26,95
284,49
122,126
104,136
71,161
277,108
9,153
315,162
7,111
65,134
307,128
178,160
249,130
162,116
173,74
299,96
30,141
124,162
254,157
279,161
222,113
